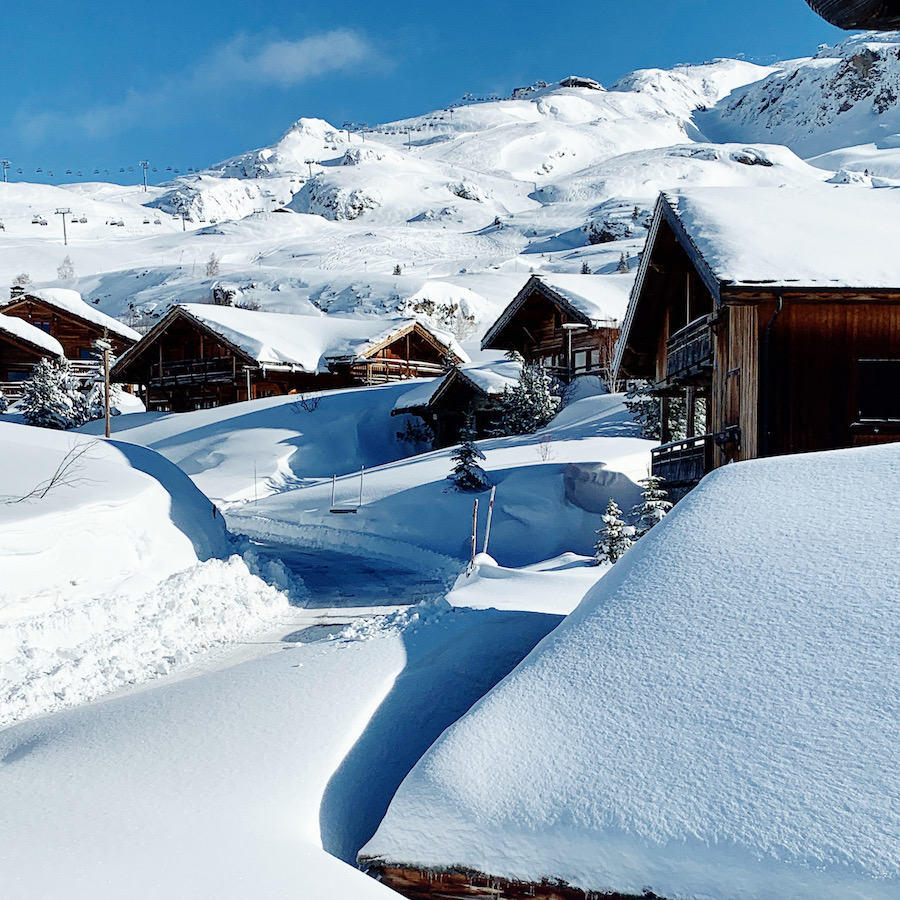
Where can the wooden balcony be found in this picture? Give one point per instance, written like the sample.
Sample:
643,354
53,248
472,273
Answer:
381,371
683,463
175,373
689,353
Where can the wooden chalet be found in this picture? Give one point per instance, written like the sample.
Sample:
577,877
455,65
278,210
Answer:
22,346
65,316
567,323
473,391
879,15
779,308
200,356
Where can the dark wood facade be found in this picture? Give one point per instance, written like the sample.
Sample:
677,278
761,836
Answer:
76,334
457,399
882,15
183,364
544,327
782,370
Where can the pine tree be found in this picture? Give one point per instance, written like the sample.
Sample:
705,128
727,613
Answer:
653,506
467,474
531,404
615,537
4,403
212,266
585,268
51,398
398,269
623,264
645,409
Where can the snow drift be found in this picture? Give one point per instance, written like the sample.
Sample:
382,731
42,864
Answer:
716,719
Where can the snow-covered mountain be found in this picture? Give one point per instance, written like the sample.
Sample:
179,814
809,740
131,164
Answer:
463,203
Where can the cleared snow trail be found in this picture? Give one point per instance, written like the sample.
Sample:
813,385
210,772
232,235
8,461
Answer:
229,783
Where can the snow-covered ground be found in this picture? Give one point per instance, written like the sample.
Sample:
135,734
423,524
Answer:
116,569
716,719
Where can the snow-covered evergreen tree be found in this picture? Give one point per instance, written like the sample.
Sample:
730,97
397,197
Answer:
646,411
615,537
467,474
4,403
653,506
585,268
52,398
531,404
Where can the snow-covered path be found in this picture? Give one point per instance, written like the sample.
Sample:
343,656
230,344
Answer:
228,784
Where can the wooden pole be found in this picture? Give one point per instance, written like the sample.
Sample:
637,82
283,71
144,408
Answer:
333,486
474,532
106,386
490,515
362,471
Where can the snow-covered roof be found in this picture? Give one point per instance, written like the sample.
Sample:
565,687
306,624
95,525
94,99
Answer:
591,299
71,302
30,334
824,236
715,719
492,378
599,297
307,342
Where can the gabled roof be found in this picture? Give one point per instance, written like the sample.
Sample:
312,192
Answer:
592,300
489,379
818,239
70,303
292,342
18,331
824,236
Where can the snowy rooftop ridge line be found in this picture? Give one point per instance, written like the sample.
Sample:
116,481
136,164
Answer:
306,343
794,237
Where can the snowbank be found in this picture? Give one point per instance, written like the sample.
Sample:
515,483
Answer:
110,571
715,719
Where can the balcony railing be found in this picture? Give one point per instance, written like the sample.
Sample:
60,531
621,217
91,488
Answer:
379,371
689,352
683,463
214,370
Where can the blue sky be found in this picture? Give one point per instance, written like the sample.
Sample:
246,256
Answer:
97,84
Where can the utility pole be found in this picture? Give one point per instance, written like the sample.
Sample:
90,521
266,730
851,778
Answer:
60,212
144,164
185,215
5,163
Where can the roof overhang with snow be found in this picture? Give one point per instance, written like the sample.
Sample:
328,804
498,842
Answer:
876,15
747,244
71,305
28,337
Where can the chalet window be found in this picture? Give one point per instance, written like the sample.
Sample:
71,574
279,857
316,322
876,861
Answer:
581,360
879,390
43,324
18,375
86,354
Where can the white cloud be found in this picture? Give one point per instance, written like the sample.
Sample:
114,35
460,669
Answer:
245,60
288,63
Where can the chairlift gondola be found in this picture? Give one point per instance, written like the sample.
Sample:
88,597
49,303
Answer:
83,220
168,168
78,174
131,168
96,171
153,169
176,171
38,170
68,171
121,169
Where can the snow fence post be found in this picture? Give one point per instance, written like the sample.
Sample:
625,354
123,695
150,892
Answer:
474,532
333,484
362,471
490,514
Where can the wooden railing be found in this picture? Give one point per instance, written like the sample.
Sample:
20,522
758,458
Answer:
683,463
379,371
689,351
12,390
192,371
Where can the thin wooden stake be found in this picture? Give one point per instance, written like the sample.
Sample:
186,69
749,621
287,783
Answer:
474,532
362,470
490,515
333,485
